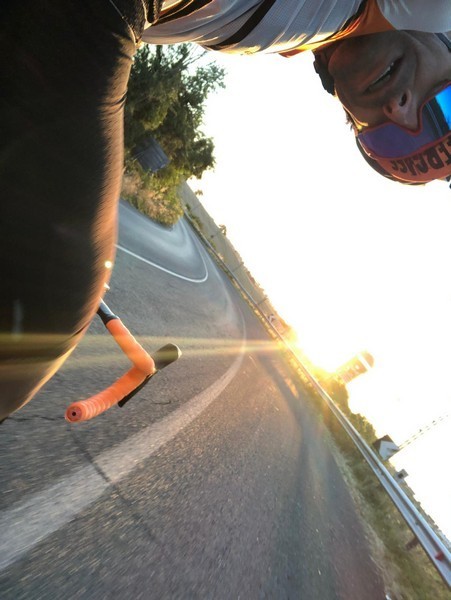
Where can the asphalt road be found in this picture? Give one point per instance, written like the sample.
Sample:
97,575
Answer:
215,482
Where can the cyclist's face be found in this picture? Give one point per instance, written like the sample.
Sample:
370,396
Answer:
386,76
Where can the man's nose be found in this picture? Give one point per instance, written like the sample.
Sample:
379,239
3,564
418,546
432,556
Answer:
402,109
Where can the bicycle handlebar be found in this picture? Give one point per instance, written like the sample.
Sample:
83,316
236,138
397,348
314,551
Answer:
130,347
84,410
143,368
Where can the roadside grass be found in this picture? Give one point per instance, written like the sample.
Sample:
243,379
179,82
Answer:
158,202
408,574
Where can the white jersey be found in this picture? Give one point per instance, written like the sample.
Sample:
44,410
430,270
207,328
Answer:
433,16
249,26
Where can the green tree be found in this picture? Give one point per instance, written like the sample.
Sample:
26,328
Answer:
166,99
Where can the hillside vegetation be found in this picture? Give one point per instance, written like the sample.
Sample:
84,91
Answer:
166,100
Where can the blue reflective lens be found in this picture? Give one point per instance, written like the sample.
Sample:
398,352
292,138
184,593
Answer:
443,99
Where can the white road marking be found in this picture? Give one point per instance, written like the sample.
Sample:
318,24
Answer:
149,262
29,522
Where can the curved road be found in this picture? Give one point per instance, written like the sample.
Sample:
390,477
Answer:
214,482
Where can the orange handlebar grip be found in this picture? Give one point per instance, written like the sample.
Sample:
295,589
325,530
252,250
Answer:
131,348
99,403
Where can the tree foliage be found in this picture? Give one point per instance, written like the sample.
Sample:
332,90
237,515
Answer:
166,99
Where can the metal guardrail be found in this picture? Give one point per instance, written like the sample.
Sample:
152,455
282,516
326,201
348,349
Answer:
435,548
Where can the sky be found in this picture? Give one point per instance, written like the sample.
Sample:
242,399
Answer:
350,260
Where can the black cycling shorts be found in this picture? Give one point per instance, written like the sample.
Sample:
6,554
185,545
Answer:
64,68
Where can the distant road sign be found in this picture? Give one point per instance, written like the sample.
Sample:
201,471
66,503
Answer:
386,447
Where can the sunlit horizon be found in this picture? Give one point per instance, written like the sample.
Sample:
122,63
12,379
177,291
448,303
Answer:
349,260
